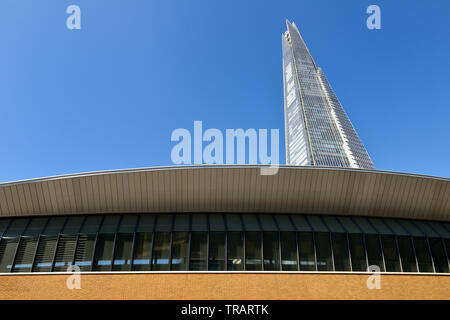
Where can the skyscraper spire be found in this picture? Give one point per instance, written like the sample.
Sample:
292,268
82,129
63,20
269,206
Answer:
318,131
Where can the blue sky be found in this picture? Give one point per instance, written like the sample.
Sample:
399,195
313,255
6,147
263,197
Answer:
108,96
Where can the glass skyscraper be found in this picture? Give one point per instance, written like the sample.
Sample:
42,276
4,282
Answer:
318,131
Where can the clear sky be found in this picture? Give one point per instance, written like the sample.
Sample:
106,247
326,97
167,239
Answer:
108,96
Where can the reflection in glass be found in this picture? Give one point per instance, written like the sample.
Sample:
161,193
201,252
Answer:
25,254
306,251
198,251
390,253
122,255
359,262
235,240
161,251
288,251
142,248
374,254
271,251
216,250
407,254
85,251
423,254
253,250
103,252
65,252
180,251
324,261
439,257
340,252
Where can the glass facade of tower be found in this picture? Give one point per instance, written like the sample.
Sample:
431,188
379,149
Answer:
318,131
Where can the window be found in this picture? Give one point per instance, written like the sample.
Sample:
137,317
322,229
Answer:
374,254
7,250
122,254
180,251
65,252
25,254
142,251
85,251
391,258
306,251
358,256
439,256
324,260
407,254
235,250
103,252
423,254
288,251
198,251
340,252
253,250
216,250
271,251
161,251
45,254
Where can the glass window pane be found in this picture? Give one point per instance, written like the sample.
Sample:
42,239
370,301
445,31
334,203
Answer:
407,254
35,227
128,223
235,249
268,222
17,227
181,222
423,254
288,251
306,251
253,250
324,260
317,224
198,251
73,225
216,222
300,223
180,251
390,253
233,222
85,251
216,250
340,252
25,254
65,252
284,222
199,222
45,254
103,252
91,224
4,225
164,222
122,254
439,257
54,226
271,251
161,251
146,223
142,251
8,248
374,254
110,224
358,256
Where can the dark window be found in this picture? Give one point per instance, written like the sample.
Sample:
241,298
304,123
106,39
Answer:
180,251
288,251
340,252
423,254
198,251
25,254
306,251
216,250
439,257
235,250
65,252
161,251
324,260
253,250
271,251
374,254
358,256
7,250
85,251
45,254
103,252
142,251
122,254
390,253
407,254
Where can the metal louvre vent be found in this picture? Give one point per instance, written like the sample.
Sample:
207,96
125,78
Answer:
65,252
25,254
45,254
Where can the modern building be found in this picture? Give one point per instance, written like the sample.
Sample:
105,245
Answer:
318,131
220,232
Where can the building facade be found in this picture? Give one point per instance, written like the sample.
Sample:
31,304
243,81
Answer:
203,228
318,131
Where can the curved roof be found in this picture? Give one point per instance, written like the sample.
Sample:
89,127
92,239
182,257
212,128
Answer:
232,189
